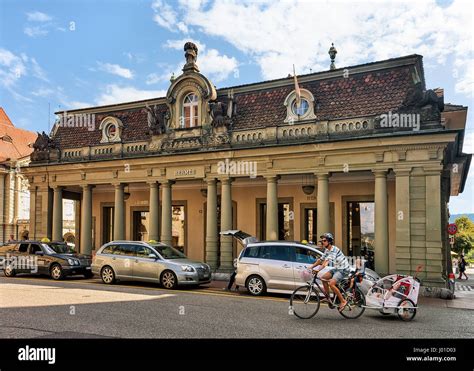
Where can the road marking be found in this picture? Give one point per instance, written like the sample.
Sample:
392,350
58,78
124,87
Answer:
202,292
24,295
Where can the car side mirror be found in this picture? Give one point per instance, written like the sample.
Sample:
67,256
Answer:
39,253
152,256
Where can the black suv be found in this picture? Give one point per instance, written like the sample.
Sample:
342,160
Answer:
55,259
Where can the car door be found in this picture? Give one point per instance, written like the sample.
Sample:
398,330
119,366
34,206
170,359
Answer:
38,263
144,267
276,265
20,258
303,260
122,260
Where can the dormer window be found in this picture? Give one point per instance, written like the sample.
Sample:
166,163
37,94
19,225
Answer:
302,109
303,112
111,128
190,111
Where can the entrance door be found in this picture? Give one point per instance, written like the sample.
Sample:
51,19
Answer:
107,224
361,230
285,221
141,222
179,227
310,225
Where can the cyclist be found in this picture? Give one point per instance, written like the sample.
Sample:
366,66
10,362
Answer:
332,257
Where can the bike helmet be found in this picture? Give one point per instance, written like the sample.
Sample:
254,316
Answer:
328,236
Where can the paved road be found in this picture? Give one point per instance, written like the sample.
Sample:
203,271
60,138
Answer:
77,308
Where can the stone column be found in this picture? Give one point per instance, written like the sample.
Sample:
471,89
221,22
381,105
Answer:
86,220
226,223
211,224
154,212
119,212
402,220
58,214
381,223
2,203
48,203
166,213
324,224
434,240
272,209
32,230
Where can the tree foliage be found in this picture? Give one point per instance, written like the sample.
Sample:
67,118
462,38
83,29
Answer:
464,238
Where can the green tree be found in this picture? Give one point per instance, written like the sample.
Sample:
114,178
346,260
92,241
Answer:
464,238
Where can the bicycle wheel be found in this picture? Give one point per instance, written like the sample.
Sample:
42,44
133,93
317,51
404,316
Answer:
305,302
407,310
355,303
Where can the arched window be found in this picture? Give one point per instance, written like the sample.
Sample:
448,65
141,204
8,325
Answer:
190,111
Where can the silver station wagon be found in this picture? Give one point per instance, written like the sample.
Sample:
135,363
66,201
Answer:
148,261
278,266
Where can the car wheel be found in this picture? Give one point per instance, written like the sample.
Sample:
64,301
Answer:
9,271
56,272
169,280
256,285
108,275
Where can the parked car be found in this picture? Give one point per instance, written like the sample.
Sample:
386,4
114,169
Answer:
148,261
277,266
44,257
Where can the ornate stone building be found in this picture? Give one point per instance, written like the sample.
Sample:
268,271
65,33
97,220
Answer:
367,153
15,148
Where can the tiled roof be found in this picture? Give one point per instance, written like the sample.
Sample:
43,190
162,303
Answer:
448,107
370,92
14,142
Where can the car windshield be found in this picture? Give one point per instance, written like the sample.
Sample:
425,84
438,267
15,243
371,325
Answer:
58,248
169,252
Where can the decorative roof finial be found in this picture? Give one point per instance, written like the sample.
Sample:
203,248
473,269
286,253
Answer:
172,78
332,53
190,53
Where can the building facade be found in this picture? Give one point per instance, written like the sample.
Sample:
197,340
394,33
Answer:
15,148
365,152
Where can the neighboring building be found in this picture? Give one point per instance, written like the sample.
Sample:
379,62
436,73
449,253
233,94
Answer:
15,148
368,154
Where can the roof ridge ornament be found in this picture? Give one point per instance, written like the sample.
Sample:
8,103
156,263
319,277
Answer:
190,53
332,53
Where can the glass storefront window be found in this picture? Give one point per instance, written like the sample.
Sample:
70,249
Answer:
361,230
178,227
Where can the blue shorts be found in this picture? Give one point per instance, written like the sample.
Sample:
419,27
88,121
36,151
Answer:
339,275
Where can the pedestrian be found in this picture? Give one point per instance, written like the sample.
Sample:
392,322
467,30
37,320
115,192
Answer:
232,278
462,268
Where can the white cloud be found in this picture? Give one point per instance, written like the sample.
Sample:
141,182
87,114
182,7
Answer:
38,17
38,72
35,31
77,104
12,67
43,92
276,34
115,69
166,17
114,94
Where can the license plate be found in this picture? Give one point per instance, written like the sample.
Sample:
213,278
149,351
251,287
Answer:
88,268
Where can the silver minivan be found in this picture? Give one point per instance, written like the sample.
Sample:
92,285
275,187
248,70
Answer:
148,261
278,266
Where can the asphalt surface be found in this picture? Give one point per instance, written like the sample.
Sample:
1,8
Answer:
35,307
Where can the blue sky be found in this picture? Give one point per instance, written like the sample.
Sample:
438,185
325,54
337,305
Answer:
71,54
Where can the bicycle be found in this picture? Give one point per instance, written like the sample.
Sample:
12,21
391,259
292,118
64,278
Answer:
305,300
